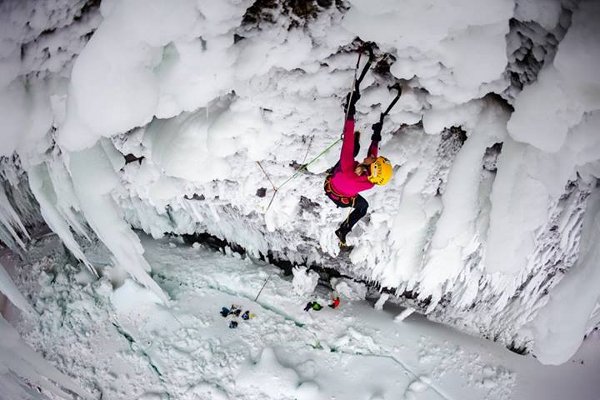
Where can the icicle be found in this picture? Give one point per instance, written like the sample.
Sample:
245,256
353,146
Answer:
10,290
17,191
10,220
560,326
66,200
41,186
94,179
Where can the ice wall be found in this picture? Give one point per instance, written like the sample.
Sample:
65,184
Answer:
131,71
547,151
563,321
560,144
188,116
94,179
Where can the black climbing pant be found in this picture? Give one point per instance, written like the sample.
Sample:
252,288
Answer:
360,206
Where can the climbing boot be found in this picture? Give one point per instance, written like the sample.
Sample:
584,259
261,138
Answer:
341,234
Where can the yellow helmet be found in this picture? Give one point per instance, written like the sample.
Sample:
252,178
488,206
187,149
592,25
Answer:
381,171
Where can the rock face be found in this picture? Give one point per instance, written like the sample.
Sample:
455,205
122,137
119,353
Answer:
225,120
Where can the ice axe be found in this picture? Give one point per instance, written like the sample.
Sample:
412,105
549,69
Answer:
397,87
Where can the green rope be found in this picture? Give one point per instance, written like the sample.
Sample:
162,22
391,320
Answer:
300,170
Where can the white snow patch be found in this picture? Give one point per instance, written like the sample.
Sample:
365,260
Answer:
304,281
349,289
269,377
404,314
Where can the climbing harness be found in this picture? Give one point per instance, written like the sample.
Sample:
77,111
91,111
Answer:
333,195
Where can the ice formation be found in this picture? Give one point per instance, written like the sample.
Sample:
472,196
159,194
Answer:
183,117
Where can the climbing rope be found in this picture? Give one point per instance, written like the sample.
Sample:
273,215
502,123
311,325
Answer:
298,172
267,175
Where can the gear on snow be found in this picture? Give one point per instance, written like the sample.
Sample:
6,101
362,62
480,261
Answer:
234,312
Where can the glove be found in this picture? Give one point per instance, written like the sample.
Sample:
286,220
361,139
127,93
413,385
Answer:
376,136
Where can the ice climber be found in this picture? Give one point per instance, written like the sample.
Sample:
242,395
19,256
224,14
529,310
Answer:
349,177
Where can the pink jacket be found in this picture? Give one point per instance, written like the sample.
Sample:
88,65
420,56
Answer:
344,181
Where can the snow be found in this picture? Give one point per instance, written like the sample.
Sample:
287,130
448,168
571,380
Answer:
457,233
29,105
268,377
124,344
132,300
195,147
455,55
554,147
128,47
348,289
304,281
